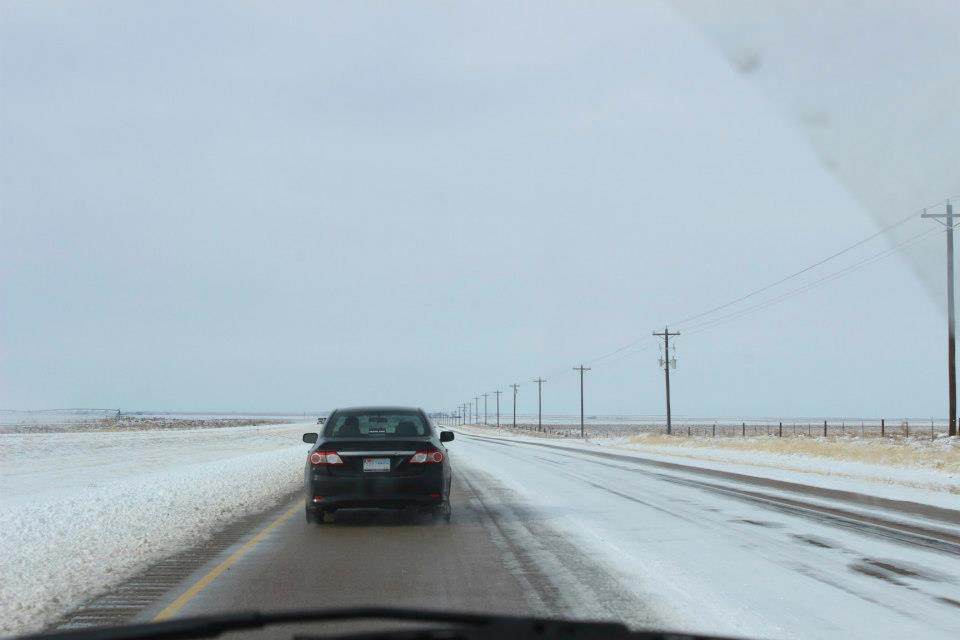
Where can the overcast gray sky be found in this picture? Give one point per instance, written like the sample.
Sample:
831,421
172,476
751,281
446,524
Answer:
294,206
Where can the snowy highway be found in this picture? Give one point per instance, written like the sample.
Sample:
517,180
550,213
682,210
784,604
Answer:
552,528
528,320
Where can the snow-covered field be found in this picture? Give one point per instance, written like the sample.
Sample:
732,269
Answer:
84,511
74,420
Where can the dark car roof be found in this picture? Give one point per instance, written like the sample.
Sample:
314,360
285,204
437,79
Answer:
377,409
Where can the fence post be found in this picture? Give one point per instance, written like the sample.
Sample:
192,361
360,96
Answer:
780,435
824,428
883,426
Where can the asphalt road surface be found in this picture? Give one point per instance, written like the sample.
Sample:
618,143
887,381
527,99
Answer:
553,532
478,562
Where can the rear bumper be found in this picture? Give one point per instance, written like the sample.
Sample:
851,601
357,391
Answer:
330,492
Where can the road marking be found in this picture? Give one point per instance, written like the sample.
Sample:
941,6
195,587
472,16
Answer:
188,595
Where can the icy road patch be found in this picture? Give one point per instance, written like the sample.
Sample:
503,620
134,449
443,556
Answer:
84,511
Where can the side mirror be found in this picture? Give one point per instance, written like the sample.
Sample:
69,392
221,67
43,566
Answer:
446,436
310,438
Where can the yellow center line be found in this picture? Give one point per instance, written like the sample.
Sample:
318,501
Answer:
188,595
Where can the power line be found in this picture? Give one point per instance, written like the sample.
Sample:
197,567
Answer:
797,273
645,347
709,324
616,351
769,286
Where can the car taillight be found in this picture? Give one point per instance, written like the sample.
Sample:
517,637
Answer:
426,457
318,458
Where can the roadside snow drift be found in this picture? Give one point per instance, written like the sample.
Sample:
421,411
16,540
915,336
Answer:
84,511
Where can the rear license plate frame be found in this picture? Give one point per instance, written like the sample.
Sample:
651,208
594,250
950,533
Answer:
376,465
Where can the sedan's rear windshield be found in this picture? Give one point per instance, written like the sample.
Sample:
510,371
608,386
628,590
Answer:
388,424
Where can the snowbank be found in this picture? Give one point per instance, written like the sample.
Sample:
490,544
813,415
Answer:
83,512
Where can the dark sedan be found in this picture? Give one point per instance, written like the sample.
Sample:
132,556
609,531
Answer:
380,458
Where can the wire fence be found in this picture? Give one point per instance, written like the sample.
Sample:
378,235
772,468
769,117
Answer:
622,426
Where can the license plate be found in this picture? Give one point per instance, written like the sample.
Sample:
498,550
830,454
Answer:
376,464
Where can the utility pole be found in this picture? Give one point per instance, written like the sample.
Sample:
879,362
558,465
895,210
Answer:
666,362
539,382
485,408
498,392
515,387
476,401
947,221
581,369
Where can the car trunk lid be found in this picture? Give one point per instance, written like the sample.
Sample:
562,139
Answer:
377,457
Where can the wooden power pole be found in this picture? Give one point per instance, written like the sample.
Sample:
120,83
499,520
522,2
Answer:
539,382
667,363
946,219
581,369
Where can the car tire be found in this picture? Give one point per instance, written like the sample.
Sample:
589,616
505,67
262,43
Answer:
442,511
311,516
